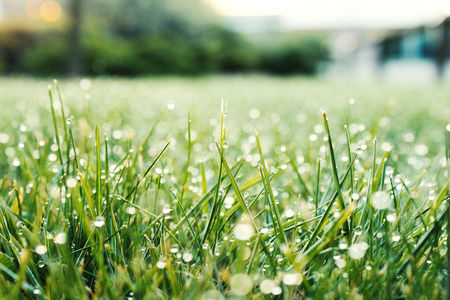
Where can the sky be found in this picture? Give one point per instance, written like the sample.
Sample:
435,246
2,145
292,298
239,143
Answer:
325,14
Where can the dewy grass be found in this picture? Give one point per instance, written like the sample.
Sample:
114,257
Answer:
87,210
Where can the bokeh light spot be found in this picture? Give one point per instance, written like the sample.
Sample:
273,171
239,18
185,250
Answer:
32,8
50,11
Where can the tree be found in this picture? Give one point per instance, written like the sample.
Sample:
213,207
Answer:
74,37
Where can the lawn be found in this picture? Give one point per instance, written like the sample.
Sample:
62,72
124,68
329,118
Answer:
223,186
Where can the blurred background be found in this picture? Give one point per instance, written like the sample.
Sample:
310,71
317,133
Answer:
407,40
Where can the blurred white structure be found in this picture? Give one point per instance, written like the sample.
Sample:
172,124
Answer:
255,24
420,54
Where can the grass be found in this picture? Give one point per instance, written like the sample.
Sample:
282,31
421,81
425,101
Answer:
151,188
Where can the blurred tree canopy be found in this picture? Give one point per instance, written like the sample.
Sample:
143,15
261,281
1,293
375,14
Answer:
135,18
149,37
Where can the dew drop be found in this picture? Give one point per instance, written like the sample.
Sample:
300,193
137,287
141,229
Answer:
187,256
41,249
276,291
241,284
340,263
390,218
381,200
267,286
131,210
357,251
60,238
99,221
292,279
243,231
71,182
343,246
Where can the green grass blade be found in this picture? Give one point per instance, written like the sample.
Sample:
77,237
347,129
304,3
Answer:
148,169
237,191
335,175
268,186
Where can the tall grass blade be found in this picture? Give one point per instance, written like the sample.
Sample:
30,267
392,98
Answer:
335,175
269,190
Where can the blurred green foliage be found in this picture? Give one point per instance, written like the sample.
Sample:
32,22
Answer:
136,38
293,55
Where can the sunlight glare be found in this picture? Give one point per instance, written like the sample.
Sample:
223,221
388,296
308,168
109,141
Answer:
50,11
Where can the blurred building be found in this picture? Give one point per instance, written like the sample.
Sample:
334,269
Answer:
254,24
419,54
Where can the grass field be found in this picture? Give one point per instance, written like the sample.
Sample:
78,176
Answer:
227,186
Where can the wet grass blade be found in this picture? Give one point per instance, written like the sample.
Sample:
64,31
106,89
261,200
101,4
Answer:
99,171
269,190
237,191
335,175
308,255
148,169
55,124
325,217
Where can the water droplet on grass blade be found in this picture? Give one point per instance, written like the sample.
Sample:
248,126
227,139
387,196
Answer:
71,182
421,150
170,106
131,210
340,263
241,284
4,138
292,279
243,231
381,200
41,249
343,245
187,256
60,238
276,291
267,286
357,251
99,221
212,295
